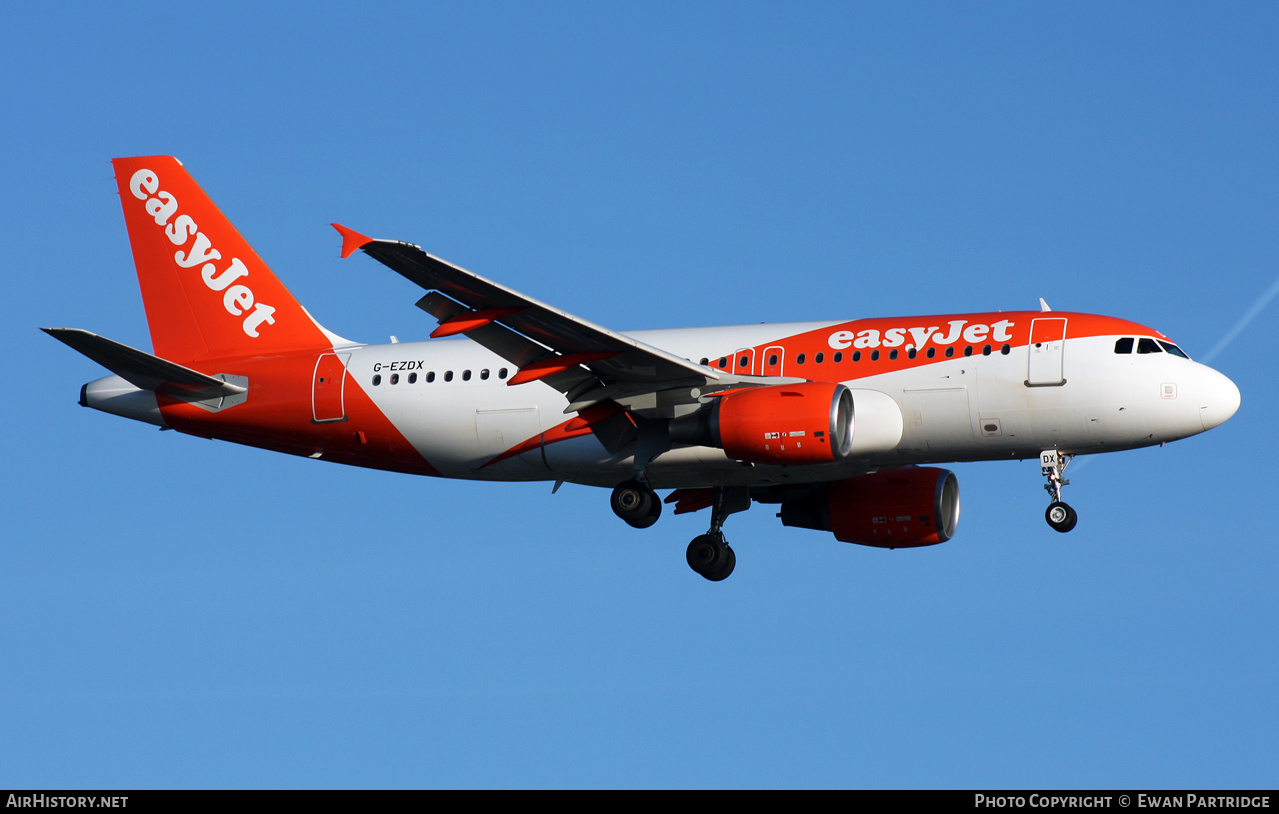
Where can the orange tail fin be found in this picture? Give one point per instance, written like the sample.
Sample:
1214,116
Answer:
207,293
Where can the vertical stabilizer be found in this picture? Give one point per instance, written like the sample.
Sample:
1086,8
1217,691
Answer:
207,293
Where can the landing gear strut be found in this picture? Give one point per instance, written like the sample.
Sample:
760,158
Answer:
710,554
1059,515
636,503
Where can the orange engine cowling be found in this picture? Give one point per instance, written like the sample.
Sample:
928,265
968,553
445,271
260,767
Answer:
898,508
789,424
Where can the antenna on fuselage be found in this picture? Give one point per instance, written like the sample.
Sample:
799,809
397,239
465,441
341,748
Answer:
1043,306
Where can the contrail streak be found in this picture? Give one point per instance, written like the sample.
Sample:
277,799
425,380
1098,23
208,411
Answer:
1253,313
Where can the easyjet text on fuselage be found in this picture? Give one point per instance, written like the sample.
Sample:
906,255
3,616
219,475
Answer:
917,337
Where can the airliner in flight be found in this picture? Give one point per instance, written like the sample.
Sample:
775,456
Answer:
838,424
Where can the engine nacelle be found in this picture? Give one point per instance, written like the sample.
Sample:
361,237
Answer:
897,508
788,424
794,424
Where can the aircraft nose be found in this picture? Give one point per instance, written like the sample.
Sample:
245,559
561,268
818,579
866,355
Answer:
1219,400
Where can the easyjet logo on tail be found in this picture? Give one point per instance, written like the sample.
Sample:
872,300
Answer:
237,298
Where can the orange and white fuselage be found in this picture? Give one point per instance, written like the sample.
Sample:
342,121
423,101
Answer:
442,407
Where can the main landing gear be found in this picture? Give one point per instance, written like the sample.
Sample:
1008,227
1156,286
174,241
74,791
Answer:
636,503
709,554
1059,515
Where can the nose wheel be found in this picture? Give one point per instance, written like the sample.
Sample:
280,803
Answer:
1059,515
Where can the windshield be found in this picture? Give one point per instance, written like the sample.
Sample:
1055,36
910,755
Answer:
1146,344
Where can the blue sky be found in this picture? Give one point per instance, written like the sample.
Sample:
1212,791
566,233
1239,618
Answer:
184,613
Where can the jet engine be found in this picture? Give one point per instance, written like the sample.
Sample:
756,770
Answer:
897,508
787,424
807,423
794,424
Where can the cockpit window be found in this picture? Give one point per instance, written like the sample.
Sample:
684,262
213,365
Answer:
1124,345
1173,349
1145,345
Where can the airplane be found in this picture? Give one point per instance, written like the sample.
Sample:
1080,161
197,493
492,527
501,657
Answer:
838,424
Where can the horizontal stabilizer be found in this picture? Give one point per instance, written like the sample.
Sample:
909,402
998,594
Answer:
143,370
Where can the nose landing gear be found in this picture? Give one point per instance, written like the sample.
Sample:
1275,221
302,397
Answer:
1059,515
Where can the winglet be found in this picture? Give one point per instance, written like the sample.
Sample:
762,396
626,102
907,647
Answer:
351,239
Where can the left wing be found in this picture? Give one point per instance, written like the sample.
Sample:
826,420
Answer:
585,361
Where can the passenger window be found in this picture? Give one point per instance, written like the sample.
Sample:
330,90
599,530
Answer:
705,359
950,351
857,356
448,375
892,354
501,374
819,358
412,378
931,353
874,356
430,377
772,359
723,361
377,380
968,350
466,375
839,356
1124,345
484,374
799,360
910,354
1145,345
985,351
395,378
1006,349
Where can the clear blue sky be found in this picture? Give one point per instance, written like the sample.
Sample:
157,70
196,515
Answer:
177,612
